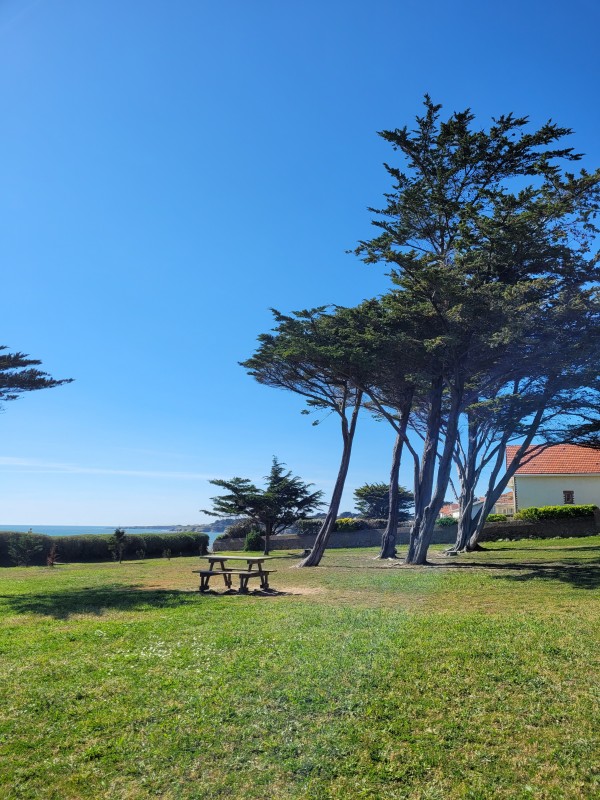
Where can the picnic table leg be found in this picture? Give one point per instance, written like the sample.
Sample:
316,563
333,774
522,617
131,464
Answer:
204,579
227,579
243,584
264,580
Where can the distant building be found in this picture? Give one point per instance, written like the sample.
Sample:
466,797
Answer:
505,504
453,509
560,474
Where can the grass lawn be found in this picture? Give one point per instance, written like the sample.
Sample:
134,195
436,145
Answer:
474,678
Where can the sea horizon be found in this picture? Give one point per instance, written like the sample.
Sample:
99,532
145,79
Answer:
82,530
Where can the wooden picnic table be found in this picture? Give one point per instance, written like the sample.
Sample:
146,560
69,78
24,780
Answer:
244,574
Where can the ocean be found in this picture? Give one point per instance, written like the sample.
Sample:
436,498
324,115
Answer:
78,530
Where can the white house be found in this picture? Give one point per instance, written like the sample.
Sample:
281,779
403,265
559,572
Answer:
561,474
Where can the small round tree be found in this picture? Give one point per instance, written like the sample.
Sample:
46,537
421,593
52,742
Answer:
373,501
284,500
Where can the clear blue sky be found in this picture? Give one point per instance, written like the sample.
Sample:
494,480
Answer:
172,169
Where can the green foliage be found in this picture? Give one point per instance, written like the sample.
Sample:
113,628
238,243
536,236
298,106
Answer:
18,374
284,500
98,547
496,518
446,522
52,556
117,544
372,501
308,527
555,512
349,524
239,530
24,548
254,541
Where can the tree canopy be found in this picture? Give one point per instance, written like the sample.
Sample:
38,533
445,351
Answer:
284,500
373,501
19,374
489,330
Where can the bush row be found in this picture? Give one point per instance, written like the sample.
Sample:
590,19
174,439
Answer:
555,512
239,530
34,548
307,527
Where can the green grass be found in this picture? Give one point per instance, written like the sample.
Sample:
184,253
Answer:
476,677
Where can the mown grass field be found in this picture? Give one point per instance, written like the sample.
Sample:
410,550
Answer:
474,678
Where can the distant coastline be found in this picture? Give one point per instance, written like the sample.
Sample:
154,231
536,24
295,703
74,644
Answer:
82,530
212,528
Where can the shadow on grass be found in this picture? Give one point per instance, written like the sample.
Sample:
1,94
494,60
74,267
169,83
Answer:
578,575
96,601
550,548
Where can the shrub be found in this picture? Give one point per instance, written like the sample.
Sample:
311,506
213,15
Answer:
254,541
52,556
496,518
446,522
24,548
374,524
346,524
306,527
239,529
93,547
534,513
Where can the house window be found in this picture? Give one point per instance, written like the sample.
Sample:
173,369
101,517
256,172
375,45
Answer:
568,497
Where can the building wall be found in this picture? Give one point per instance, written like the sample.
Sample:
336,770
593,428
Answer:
547,490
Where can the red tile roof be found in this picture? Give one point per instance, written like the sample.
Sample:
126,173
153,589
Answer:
507,497
446,511
560,459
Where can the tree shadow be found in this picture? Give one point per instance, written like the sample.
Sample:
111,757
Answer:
569,570
550,548
97,600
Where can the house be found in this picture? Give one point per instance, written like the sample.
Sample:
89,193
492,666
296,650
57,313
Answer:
505,504
453,509
560,474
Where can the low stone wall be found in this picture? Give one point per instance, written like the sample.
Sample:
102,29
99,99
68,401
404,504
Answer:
492,531
366,538
544,529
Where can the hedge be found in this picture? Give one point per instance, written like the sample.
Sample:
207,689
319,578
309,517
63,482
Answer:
446,522
307,527
239,530
94,547
534,514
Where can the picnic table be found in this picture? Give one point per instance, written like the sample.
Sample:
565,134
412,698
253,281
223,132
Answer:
244,574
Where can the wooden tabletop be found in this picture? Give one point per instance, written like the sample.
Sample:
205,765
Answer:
249,559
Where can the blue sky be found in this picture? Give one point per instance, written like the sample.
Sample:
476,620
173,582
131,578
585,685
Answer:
172,169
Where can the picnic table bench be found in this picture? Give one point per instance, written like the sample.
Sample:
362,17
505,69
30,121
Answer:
244,574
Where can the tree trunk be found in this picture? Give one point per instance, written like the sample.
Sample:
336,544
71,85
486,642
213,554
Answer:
421,536
424,479
388,540
496,489
268,531
468,474
316,554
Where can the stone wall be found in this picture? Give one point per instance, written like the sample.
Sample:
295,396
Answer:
514,529
544,529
